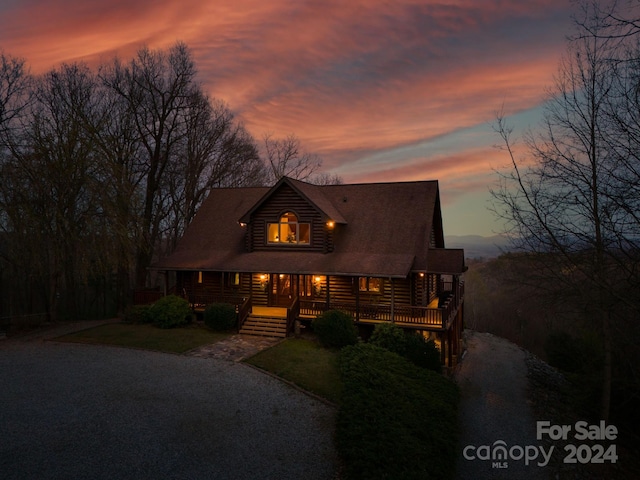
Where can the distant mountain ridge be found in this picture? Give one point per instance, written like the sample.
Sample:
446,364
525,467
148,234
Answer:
476,246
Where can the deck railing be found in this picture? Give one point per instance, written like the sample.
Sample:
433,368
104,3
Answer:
438,317
199,301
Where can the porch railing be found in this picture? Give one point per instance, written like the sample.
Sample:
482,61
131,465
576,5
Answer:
199,301
438,317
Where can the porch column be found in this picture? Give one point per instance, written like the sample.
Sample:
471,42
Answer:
425,293
328,300
357,300
393,300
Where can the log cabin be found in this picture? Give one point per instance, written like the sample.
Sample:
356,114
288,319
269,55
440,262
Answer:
285,254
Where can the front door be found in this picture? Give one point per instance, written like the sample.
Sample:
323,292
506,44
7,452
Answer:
282,289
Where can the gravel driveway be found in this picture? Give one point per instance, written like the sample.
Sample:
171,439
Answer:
493,408
78,411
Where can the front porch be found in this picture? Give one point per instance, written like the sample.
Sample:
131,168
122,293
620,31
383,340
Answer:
431,304
438,315
441,319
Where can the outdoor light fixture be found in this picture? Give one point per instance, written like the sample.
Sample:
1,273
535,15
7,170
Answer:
317,286
242,224
330,224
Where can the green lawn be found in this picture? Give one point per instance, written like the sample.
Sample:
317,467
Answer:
173,340
305,363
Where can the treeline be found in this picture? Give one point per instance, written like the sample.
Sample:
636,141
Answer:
102,170
570,200
507,297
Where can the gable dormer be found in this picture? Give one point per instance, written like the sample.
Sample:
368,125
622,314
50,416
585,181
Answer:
291,216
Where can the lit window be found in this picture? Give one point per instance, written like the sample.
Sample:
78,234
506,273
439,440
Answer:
289,231
370,284
233,279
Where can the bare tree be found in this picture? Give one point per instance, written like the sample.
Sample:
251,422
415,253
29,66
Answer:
185,144
158,88
50,188
284,157
121,171
215,152
14,92
100,172
561,201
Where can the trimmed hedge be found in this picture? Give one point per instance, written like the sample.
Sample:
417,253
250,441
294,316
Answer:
220,316
395,420
170,312
412,346
335,329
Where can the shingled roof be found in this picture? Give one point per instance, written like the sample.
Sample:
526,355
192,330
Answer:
382,229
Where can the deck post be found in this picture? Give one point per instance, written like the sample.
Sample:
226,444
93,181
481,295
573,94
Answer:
393,300
357,302
328,301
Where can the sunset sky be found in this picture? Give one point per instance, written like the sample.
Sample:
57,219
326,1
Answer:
381,90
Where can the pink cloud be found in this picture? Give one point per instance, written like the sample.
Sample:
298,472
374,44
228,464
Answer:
353,80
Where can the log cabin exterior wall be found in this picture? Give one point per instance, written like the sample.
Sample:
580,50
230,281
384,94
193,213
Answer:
342,289
286,199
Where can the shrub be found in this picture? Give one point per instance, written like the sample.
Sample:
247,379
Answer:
170,311
412,346
423,352
138,314
220,316
390,336
335,329
388,402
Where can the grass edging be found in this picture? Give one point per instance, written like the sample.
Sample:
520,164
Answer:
292,385
145,337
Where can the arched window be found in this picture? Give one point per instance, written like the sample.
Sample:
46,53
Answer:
288,231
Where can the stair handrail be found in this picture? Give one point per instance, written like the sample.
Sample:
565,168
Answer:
293,311
243,311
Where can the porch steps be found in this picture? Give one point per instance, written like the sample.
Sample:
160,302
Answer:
266,326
